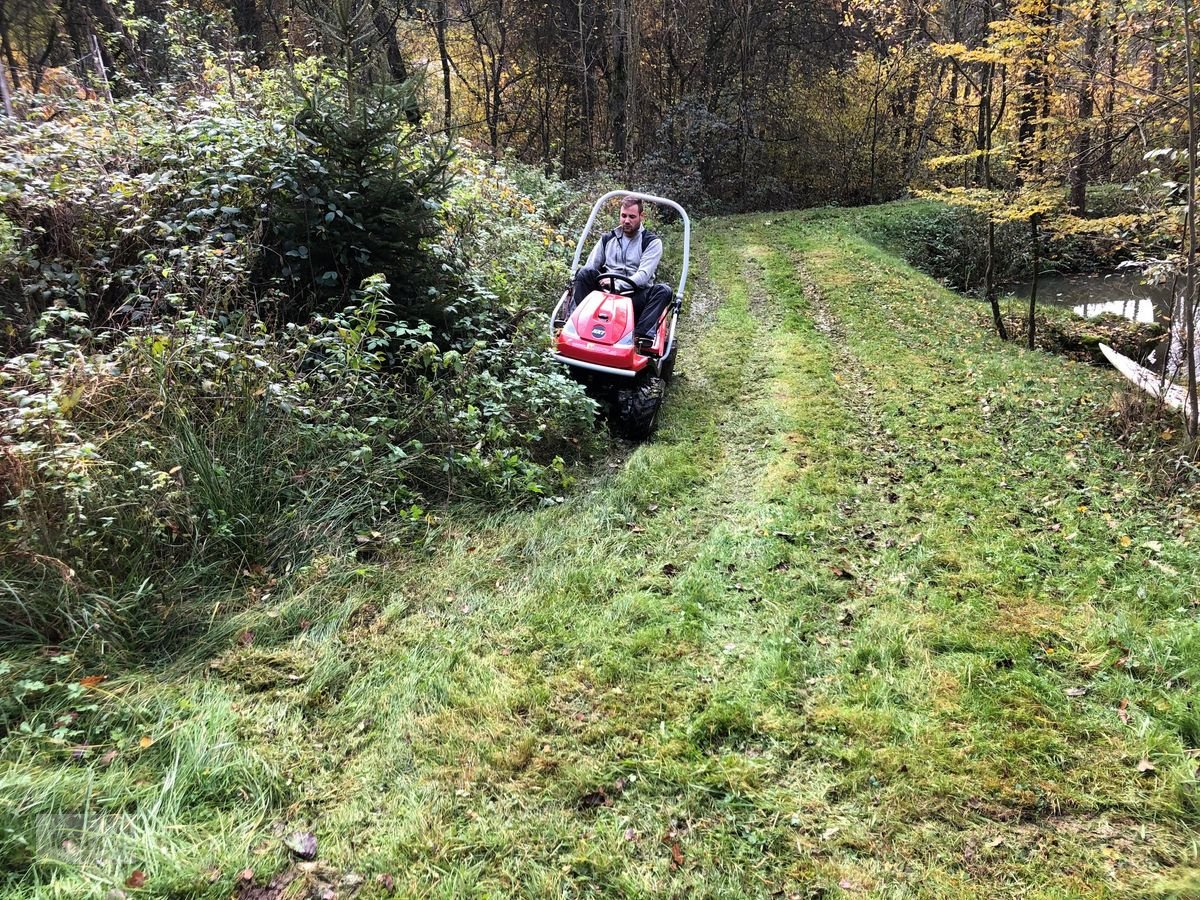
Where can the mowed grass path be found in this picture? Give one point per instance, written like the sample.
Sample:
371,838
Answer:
881,611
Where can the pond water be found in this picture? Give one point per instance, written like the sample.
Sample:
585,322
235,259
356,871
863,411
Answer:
1122,293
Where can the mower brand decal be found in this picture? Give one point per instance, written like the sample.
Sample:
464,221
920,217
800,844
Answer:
598,331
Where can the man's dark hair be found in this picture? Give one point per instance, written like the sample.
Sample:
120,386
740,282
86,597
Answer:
632,201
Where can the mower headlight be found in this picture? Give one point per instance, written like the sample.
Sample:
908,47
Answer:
569,329
626,341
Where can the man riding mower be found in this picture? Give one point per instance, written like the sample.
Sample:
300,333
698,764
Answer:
615,328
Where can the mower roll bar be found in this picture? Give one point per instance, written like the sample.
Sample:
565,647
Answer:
687,247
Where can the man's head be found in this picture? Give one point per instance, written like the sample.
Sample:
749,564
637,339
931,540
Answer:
631,215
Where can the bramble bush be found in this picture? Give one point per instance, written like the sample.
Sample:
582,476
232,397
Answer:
188,394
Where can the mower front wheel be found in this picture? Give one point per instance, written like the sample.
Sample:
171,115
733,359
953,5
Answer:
637,409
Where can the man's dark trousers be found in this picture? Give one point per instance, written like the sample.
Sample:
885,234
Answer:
648,301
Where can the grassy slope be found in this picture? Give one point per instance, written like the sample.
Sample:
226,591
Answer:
862,618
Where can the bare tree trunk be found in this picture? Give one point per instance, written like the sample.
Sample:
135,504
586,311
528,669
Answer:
78,26
985,135
5,28
1189,297
101,74
1085,106
1036,243
440,25
395,59
618,79
248,23
5,95
1110,100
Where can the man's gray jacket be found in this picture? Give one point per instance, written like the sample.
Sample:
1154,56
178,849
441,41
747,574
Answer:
616,253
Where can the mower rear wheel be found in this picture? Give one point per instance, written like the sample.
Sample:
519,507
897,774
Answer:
637,409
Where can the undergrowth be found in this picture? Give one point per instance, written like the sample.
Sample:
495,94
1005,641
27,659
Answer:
247,326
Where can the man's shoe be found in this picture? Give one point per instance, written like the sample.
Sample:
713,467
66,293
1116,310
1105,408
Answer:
645,345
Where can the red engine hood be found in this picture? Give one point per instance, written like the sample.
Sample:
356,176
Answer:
603,318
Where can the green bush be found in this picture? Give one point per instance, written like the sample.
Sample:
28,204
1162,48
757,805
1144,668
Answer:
950,243
357,193
183,401
188,454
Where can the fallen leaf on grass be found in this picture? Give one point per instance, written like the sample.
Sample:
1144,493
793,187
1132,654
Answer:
1145,766
1123,711
387,882
136,879
676,851
1076,692
847,885
839,572
91,681
631,834
303,844
107,758
634,527
786,536
145,741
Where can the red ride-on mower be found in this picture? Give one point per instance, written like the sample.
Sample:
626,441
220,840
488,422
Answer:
596,338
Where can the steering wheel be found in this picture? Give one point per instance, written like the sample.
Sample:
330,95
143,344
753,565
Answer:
621,284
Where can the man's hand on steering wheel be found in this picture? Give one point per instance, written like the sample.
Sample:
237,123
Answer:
619,283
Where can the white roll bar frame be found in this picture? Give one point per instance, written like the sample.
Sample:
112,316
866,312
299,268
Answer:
687,247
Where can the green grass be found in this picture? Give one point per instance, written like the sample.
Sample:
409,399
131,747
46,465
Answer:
881,610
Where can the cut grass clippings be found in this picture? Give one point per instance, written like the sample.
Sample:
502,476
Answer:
881,610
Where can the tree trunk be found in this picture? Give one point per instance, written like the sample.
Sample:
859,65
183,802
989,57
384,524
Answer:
5,39
1036,243
983,131
1085,105
5,95
985,138
440,25
1110,99
78,25
983,125
618,77
1191,413
395,59
248,23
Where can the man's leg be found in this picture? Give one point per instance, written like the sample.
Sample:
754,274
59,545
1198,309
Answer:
648,304
586,281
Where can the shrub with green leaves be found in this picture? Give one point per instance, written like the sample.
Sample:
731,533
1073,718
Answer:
188,452
188,394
